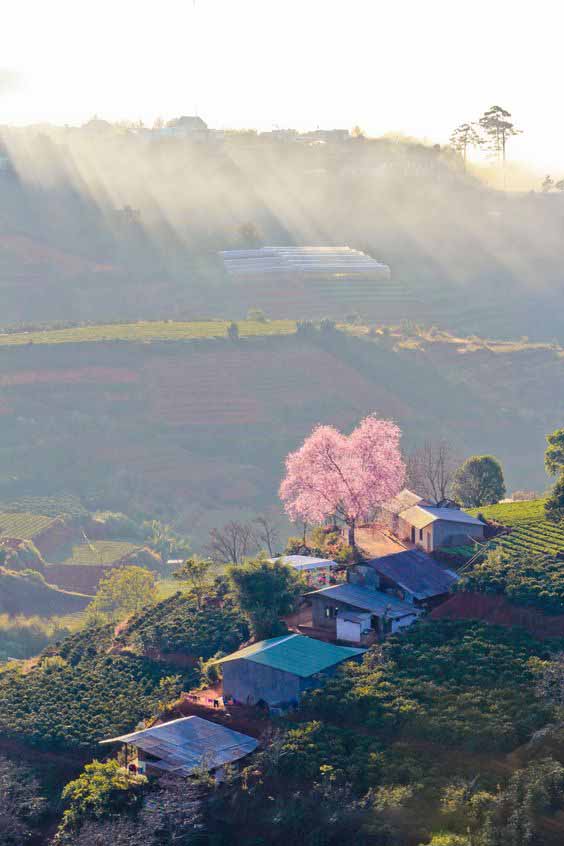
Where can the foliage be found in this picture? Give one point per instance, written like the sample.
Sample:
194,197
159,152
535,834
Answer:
23,637
101,790
554,505
554,454
21,803
527,580
349,476
496,128
168,543
195,571
125,591
265,592
479,481
178,625
232,543
462,684
78,693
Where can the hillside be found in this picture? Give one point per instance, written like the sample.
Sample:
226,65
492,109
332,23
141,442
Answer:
139,235
29,595
196,431
219,417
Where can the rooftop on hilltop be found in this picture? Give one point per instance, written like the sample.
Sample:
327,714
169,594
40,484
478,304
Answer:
422,515
296,654
375,601
415,572
306,562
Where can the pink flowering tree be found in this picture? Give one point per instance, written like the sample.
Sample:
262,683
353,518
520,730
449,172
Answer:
344,476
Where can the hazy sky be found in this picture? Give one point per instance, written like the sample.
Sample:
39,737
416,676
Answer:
400,65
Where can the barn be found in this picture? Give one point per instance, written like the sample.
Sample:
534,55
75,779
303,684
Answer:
277,671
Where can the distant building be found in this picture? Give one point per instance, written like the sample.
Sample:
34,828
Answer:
358,614
279,670
187,126
418,521
411,575
308,264
315,570
326,136
432,526
181,747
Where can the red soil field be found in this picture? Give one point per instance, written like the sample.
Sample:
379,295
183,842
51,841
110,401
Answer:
497,610
246,386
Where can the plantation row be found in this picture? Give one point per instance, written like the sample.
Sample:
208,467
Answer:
535,537
512,513
24,525
158,330
99,552
79,695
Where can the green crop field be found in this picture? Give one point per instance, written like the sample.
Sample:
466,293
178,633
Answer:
158,330
99,552
511,513
23,526
531,532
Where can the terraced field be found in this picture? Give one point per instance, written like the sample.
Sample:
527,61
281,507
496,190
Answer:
531,532
23,526
99,552
158,330
512,513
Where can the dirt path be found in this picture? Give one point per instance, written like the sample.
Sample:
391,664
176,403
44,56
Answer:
374,543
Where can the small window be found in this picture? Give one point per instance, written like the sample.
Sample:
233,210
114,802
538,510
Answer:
420,534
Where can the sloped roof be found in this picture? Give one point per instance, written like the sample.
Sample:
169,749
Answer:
296,654
292,260
305,562
376,601
184,745
423,515
416,572
402,501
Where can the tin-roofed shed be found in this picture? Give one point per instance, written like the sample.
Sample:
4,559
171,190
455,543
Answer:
181,747
279,670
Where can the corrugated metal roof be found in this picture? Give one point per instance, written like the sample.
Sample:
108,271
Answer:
402,501
296,654
423,515
188,743
376,601
416,572
306,562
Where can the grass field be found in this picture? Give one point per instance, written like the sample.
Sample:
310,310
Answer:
23,526
158,330
99,552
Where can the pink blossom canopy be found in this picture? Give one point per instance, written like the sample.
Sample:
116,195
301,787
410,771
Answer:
345,475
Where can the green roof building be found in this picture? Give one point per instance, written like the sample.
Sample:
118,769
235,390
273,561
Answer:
277,671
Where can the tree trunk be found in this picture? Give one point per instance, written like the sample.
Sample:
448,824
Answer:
351,526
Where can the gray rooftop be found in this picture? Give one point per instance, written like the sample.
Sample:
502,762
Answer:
405,499
188,743
375,601
415,572
325,260
423,515
306,562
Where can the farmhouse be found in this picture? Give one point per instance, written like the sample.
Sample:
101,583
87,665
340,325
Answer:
317,571
411,575
279,670
417,521
183,746
359,615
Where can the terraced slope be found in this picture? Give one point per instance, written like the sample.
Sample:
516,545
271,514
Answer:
23,526
531,532
99,552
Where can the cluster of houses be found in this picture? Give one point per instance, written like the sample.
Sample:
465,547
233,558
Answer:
379,596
